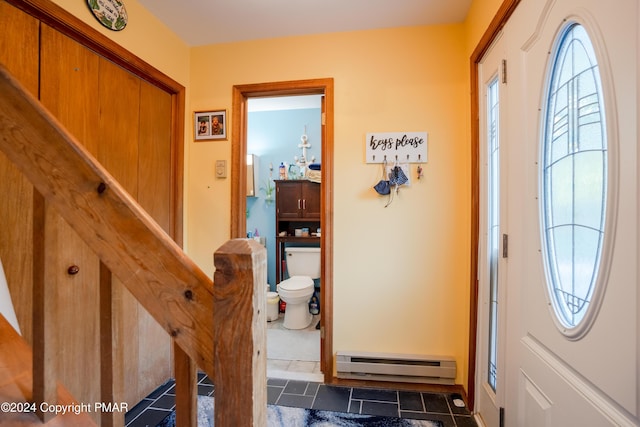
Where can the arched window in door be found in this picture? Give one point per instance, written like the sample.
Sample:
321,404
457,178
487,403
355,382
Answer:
574,182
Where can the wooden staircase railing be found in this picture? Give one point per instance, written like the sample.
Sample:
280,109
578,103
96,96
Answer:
221,329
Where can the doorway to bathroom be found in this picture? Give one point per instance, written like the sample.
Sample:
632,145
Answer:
283,144
245,99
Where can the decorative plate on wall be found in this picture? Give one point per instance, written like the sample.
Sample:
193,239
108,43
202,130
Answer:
110,13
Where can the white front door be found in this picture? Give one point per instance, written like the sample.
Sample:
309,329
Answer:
572,202
491,256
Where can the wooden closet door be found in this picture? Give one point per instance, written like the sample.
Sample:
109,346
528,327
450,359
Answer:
147,349
69,87
154,195
16,201
155,165
125,123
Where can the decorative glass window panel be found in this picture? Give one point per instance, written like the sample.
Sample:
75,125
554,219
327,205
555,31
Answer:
574,177
493,187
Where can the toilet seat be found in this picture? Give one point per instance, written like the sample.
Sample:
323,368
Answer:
296,283
296,287
296,293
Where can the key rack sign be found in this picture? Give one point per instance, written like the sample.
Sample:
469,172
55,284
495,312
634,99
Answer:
405,147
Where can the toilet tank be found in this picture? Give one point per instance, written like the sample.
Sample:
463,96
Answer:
303,261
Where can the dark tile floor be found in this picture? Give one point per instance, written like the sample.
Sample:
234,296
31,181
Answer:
396,403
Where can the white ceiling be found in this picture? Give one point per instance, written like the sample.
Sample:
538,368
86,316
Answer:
203,22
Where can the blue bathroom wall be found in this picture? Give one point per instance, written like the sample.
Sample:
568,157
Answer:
273,137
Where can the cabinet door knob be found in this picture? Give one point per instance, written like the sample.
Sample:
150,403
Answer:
304,203
73,270
299,204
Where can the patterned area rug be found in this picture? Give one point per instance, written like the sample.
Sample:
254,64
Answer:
283,416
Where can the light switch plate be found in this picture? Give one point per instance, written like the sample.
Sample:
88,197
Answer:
221,168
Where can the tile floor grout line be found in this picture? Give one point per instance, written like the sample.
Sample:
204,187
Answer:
130,423
282,392
453,417
149,405
351,399
315,396
309,392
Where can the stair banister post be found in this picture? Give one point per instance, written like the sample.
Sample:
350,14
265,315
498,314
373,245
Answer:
239,334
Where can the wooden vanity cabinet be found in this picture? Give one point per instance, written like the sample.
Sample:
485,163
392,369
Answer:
297,199
297,206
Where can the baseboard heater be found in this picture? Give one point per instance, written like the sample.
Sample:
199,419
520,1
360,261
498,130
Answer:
396,367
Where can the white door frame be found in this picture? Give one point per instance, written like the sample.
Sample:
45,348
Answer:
553,380
492,268
502,15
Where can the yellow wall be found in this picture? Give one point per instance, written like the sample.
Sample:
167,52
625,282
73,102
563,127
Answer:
144,36
400,273
480,15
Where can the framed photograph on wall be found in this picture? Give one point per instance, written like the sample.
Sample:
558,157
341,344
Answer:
210,125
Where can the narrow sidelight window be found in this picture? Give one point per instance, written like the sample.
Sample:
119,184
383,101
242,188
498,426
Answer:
493,187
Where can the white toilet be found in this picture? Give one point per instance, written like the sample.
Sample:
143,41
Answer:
303,265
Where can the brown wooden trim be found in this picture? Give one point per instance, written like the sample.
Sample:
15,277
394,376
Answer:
186,377
71,26
495,26
111,352
326,238
239,168
240,94
177,164
498,21
66,23
44,316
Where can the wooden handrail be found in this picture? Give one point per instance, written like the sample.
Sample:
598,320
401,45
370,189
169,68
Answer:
154,269
180,297
127,240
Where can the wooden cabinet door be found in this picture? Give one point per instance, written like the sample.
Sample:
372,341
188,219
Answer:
288,200
311,200
298,199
